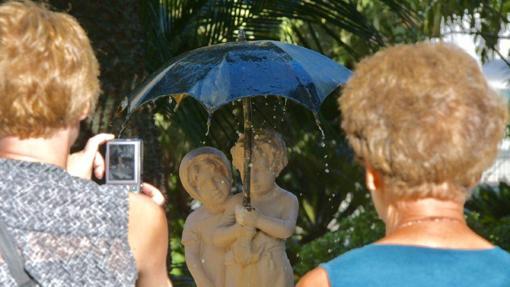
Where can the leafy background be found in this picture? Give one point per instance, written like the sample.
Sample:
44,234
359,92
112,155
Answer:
133,38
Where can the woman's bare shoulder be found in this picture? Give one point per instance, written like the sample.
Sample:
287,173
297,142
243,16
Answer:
147,220
315,278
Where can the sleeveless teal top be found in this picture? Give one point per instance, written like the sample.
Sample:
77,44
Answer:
397,265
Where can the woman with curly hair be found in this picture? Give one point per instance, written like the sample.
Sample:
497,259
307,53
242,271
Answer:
68,230
425,124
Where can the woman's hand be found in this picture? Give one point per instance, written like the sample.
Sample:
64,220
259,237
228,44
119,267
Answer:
154,193
82,163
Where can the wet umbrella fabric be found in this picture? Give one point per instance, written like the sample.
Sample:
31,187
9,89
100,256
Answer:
219,74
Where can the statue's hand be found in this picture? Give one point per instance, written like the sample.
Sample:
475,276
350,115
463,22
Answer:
246,232
243,249
246,217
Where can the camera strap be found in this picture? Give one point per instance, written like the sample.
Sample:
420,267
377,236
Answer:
13,258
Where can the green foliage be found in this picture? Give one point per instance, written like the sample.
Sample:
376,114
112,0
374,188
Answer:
488,213
355,231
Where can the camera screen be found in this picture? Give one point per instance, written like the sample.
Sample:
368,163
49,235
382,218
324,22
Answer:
122,162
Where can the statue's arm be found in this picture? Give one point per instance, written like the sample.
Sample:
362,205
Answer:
193,261
280,228
227,232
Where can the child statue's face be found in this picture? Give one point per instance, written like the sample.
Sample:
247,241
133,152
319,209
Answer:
262,174
213,185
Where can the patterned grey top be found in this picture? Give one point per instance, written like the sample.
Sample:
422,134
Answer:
71,231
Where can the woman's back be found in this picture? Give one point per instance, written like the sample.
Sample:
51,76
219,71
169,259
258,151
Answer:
398,265
70,231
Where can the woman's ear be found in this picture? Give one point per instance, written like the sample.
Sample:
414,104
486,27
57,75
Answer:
375,185
85,112
373,179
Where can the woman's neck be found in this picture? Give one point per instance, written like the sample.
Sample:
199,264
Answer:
53,150
430,222
403,212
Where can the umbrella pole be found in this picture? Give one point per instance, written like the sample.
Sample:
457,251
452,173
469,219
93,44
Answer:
248,144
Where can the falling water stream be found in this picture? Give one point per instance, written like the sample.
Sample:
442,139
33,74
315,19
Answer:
322,142
209,120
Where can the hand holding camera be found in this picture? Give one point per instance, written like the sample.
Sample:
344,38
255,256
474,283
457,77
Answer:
123,164
82,163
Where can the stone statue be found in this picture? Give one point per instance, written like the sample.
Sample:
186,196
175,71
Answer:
274,218
206,175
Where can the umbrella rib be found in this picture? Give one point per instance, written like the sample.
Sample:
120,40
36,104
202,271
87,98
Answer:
299,81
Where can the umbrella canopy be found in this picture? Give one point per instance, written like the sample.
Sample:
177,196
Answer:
219,74
222,73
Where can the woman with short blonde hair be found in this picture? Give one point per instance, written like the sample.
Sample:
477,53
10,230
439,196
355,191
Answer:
48,71
425,124
69,230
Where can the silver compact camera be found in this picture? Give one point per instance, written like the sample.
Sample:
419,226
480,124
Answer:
124,163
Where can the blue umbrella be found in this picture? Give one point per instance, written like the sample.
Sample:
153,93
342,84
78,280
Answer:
219,74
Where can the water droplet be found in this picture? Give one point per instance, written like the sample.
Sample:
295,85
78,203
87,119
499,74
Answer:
124,103
318,123
323,144
326,170
209,120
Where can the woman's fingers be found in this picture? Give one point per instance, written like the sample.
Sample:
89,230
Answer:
154,193
99,165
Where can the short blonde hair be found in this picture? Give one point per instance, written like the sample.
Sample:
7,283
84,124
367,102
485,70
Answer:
424,117
278,150
48,71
